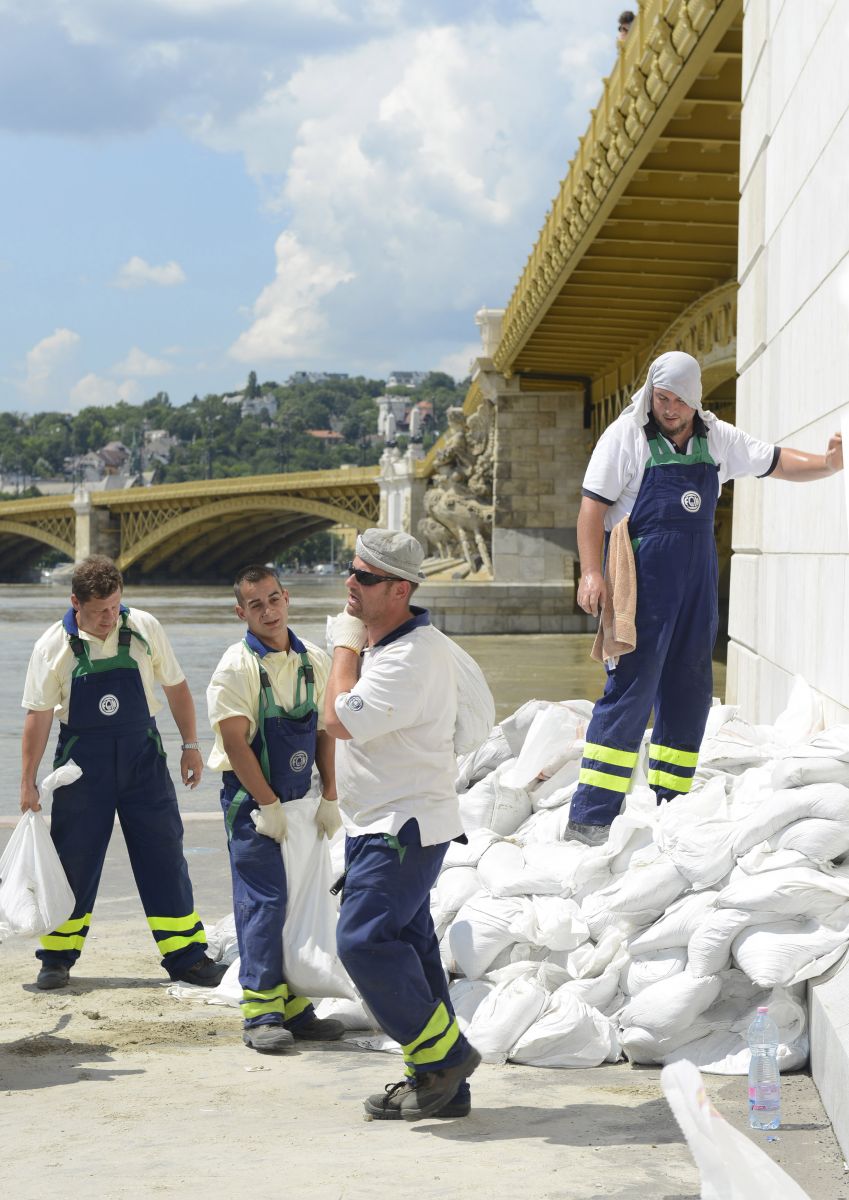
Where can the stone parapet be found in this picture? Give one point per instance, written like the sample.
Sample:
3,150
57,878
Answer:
492,608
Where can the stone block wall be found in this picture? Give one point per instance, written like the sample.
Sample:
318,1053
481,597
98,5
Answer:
541,453
790,569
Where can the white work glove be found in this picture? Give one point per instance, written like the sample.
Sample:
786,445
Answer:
346,630
327,817
270,821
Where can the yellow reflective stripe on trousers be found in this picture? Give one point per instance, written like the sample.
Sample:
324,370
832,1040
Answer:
180,943
416,1053
613,783
258,1004
675,783
187,922
606,754
296,1006
678,758
70,935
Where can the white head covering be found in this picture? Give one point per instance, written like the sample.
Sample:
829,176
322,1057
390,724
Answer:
676,372
399,554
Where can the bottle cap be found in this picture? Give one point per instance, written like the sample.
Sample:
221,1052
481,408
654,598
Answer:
764,1009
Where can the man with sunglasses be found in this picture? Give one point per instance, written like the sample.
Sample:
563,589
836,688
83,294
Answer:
391,701
264,703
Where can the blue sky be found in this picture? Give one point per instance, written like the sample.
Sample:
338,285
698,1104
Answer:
194,189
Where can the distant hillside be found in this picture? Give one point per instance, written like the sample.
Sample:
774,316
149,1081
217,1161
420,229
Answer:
223,435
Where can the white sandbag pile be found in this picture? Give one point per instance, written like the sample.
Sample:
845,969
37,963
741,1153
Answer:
660,944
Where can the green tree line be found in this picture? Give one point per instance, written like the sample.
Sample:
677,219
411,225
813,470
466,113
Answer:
215,441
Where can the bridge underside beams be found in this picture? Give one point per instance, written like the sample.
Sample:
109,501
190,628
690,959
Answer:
19,557
213,549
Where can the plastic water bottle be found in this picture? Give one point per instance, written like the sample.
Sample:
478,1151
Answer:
764,1077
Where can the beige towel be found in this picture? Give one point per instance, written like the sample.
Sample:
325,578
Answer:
617,631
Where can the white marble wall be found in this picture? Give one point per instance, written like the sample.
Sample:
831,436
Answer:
790,571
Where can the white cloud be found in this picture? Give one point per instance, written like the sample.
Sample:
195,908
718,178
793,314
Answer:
137,273
94,389
458,364
137,364
288,320
45,360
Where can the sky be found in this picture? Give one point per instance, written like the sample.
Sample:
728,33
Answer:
196,189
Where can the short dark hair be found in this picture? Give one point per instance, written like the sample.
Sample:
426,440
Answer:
626,17
95,578
252,574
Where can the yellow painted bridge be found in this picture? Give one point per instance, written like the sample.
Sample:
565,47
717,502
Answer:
198,529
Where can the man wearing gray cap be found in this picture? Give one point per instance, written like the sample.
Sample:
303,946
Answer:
391,701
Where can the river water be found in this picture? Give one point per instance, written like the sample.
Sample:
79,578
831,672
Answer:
200,623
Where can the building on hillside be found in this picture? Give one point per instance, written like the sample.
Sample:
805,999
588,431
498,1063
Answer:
407,379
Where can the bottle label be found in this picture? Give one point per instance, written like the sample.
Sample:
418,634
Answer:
766,1097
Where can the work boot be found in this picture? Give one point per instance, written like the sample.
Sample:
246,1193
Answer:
434,1089
386,1105
590,835
54,975
203,973
268,1039
314,1029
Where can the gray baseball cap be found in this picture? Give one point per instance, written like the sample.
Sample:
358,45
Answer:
391,551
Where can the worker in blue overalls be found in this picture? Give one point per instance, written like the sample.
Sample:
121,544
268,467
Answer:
392,704
662,464
263,703
96,670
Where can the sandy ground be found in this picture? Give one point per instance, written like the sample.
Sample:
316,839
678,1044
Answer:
111,1088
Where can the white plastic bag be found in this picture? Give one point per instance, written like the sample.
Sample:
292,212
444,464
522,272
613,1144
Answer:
311,965
35,895
731,1167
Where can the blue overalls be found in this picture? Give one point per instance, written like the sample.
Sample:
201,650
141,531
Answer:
284,745
671,528
111,735
387,942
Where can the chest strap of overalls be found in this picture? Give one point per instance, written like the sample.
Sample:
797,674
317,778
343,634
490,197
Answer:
662,454
122,659
268,707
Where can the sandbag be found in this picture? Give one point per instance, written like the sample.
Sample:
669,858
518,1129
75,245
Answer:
650,968
492,804
568,1034
475,766
669,1005
555,735
484,927
503,1015
311,964
475,705
35,896
676,926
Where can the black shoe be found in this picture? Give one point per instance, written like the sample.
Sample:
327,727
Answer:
54,976
434,1089
268,1039
314,1029
203,973
386,1105
590,835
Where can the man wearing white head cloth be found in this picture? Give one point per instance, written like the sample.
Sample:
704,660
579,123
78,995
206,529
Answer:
391,701
661,464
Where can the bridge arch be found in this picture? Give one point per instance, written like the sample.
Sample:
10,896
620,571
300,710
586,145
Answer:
211,528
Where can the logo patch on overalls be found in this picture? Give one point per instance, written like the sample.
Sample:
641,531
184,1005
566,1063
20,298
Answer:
692,501
354,702
299,760
108,705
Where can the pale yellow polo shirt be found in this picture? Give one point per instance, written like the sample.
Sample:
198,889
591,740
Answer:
52,662
234,689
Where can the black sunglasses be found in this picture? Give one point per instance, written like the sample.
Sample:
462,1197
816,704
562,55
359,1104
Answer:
368,578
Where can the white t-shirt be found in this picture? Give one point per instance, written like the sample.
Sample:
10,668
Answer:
619,459
234,689
52,662
400,763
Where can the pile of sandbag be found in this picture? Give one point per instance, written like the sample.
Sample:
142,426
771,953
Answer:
661,943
